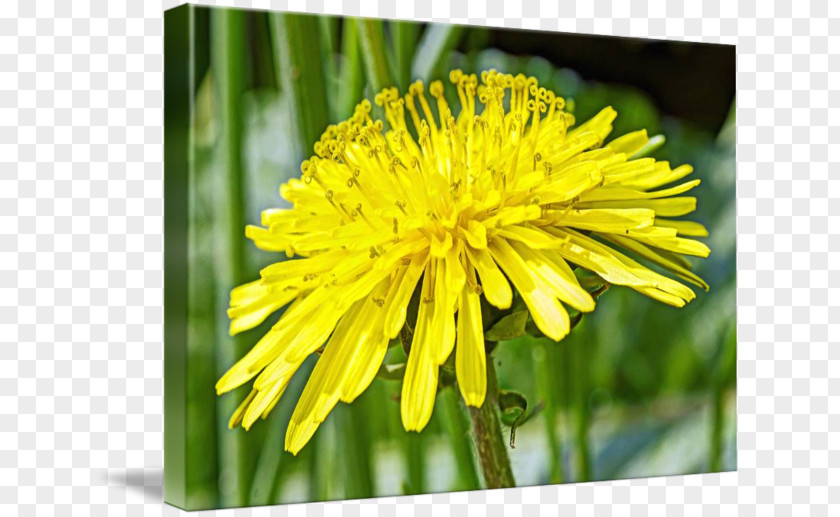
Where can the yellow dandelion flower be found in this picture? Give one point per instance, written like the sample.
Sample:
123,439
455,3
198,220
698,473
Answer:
505,192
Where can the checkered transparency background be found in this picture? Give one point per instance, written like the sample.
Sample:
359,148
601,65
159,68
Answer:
81,258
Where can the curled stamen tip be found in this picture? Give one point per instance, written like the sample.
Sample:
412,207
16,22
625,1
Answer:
415,88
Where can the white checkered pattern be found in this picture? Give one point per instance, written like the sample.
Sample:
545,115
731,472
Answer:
81,282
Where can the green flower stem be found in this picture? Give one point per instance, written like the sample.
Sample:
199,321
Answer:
490,445
454,421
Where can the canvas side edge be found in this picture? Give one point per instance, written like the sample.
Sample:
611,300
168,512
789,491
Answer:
177,115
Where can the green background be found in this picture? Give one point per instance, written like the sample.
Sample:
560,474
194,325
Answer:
638,389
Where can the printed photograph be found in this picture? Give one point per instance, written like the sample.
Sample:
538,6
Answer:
406,258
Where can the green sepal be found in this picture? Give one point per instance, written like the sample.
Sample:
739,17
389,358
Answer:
509,327
589,280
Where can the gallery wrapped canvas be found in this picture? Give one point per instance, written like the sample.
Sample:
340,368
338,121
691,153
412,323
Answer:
404,258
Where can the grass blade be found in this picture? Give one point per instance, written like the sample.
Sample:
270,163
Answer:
328,32
579,348
374,54
724,374
228,46
351,77
415,451
358,458
301,76
434,47
545,357
404,36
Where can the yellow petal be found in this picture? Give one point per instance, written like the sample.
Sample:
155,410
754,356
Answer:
661,175
614,267
440,246
446,289
555,279
342,372
248,316
687,228
672,243
630,143
263,353
421,373
470,357
668,207
564,187
612,220
269,393
396,307
620,170
493,283
266,240
512,215
476,234
292,269
531,235
548,313
236,417
600,124
649,254
620,193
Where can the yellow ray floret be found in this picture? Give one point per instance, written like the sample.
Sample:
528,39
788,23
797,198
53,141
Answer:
461,203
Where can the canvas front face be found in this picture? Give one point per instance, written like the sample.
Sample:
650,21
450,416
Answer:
405,258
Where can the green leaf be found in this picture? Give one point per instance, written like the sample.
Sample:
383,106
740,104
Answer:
513,406
509,327
434,46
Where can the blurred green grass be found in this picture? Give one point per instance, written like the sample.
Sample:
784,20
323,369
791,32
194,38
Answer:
637,389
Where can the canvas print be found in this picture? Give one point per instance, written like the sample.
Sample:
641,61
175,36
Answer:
405,258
